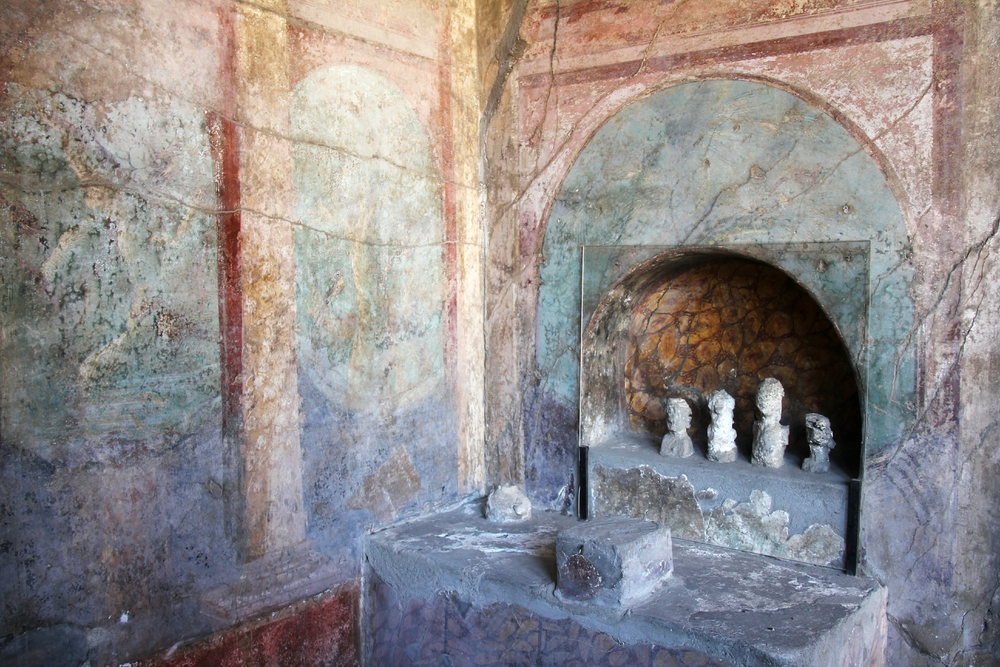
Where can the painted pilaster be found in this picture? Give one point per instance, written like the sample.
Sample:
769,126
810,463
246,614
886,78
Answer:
470,352
274,517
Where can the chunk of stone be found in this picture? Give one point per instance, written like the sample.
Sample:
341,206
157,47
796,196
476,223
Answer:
770,437
721,434
612,561
676,441
508,504
820,437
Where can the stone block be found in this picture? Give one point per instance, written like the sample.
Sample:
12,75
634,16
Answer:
612,561
508,504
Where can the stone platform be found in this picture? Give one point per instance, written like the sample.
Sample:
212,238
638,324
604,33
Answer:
720,607
785,512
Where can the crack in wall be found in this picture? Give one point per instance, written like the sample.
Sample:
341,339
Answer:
224,115
165,199
912,642
883,461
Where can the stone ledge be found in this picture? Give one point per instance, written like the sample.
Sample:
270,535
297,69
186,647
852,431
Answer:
273,581
693,496
747,609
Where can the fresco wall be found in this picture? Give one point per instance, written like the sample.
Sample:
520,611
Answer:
110,410
892,86
239,251
371,294
201,199
386,264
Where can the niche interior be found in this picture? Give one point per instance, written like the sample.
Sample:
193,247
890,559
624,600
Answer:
686,323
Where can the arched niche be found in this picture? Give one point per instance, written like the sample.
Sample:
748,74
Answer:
733,163
755,169
687,323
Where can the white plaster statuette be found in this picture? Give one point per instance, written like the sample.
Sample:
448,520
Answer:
508,504
820,437
770,437
676,442
721,434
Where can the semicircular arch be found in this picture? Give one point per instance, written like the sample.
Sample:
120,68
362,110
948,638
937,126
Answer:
732,162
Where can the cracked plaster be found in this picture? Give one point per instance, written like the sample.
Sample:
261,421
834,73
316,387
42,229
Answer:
111,174
562,103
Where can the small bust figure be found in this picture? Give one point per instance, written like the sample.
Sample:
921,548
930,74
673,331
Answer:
676,441
820,437
721,434
769,437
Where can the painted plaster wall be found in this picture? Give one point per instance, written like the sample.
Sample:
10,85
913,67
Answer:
117,96
722,163
110,411
388,299
448,630
240,259
899,79
977,469
371,295
320,631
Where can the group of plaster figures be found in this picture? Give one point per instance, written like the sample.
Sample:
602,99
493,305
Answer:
770,437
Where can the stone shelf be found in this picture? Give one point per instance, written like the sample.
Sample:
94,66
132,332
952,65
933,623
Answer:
730,607
809,499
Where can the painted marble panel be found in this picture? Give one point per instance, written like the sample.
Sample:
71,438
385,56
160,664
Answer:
379,430
104,211
699,16
446,630
728,162
635,31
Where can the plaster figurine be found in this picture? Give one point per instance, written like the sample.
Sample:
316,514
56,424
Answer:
769,436
508,504
721,434
820,437
676,441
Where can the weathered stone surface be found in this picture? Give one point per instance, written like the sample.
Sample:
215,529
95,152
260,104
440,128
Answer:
753,526
721,434
612,560
784,512
770,437
642,493
820,438
721,605
508,504
676,441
